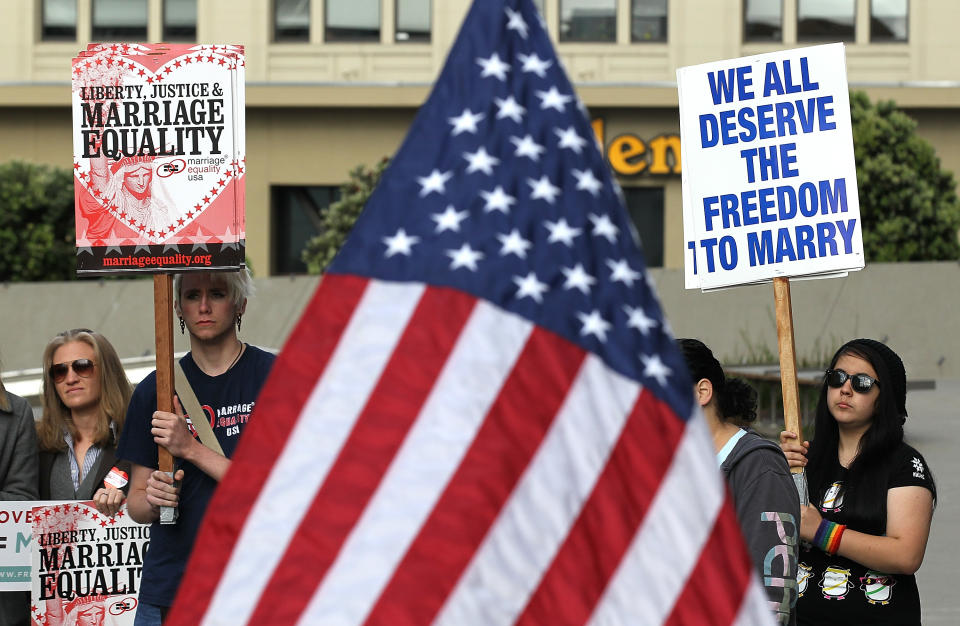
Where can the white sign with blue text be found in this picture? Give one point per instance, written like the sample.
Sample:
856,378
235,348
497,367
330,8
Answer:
769,179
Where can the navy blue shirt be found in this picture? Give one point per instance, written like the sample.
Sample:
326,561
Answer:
228,401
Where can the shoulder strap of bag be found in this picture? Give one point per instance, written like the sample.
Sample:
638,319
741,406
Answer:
188,399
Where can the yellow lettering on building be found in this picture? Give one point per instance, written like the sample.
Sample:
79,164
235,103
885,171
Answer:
660,146
622,153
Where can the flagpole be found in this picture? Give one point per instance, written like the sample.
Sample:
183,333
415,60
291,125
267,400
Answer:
163,333
788,373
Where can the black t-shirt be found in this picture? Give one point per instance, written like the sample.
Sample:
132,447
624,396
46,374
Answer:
227,400
836,590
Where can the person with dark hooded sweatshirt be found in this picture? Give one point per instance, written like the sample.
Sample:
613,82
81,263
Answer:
764,495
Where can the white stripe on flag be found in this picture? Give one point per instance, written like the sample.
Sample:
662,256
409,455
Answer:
671,537
536,519
338,397
756,609
455,410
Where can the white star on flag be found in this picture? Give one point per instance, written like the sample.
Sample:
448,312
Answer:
543,189
400,243
466,122
480,161
562,231
497,200
622,272
514,244
603,227
594,324
435,182
577,278
530,287
527,147
570,139
553,99
516,22
465,256
449,219
533,63
509,107
493,66
586,181
637,318
653,367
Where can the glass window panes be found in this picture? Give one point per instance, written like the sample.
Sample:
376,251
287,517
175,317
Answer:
831,20
763,20
888,20
296,220
119,20
645,207
59,20
179,20
413,20
353,20
648,20
588,20
291,20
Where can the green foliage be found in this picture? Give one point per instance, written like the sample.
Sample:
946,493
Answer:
908,204
338,218
36,223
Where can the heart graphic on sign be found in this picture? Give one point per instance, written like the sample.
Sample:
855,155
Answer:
156,148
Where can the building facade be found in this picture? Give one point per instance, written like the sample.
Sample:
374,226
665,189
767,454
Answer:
332,84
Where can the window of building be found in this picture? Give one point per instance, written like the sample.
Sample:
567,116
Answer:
352,20
763,20
296,220
648,20
645,208
413,21
179,20
291,20
831,20
588,20
888,20
119,20
58,20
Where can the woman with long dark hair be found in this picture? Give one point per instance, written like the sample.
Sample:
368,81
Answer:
872,495
85,397
764,494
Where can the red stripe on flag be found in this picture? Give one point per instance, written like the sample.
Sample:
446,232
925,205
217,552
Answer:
719,582
608,523
378,433
284,394
510,435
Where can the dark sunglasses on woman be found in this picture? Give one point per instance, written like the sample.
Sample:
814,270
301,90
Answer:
82,367
861,383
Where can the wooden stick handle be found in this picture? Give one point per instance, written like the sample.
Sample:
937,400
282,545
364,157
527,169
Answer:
163,318
788,359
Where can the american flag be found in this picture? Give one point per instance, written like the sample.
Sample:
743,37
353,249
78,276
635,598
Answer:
481,417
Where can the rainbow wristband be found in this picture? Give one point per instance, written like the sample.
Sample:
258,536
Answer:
828,536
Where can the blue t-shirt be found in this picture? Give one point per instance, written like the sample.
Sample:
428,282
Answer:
227,400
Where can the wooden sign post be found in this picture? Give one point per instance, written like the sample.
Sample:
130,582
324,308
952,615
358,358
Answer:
788,372
163,321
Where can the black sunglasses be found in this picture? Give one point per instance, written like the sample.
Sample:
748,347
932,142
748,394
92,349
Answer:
83,368
861,383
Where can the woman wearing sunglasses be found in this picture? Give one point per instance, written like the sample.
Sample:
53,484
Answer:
872,495
85,397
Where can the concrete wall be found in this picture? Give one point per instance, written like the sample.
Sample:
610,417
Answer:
913,306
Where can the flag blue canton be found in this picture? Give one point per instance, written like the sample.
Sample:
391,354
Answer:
500,190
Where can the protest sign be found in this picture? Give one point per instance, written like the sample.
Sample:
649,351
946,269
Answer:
769,178
16,519
85,565
158,157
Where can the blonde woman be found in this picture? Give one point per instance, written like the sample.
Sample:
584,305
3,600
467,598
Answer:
85,397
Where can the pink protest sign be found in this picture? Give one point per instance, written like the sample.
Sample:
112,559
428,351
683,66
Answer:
158,157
